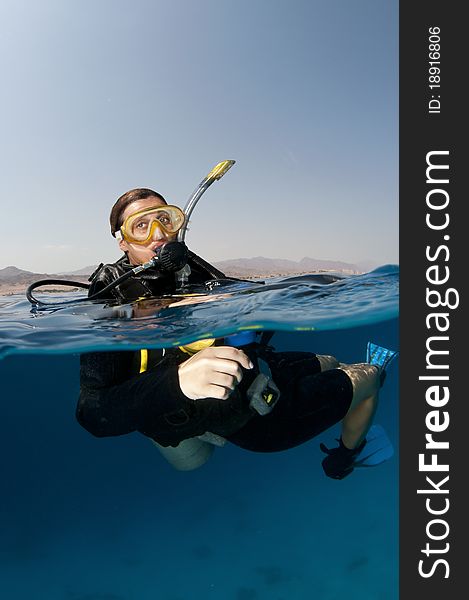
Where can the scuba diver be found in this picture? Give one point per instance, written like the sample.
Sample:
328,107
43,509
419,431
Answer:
197,397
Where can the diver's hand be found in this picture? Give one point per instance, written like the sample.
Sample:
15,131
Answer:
213,372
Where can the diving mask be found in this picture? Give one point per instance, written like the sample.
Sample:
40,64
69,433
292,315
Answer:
139,227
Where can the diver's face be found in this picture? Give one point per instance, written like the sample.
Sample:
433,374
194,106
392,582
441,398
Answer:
142,253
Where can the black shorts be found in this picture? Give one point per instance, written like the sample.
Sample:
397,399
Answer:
310,402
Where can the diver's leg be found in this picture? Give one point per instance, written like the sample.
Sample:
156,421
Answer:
365,382
358,420
327,362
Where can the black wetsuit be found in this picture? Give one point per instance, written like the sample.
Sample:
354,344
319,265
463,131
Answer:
116,398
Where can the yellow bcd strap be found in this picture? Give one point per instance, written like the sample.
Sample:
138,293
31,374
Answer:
143,360
188,349
197,346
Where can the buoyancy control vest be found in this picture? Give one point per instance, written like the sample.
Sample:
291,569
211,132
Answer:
152,282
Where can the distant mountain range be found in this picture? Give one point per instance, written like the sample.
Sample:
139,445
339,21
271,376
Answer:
84,271
15,275
260,266
15,280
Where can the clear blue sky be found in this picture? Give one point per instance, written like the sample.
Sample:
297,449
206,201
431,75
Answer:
100,96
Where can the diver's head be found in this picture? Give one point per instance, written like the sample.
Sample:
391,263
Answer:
116,218
142,221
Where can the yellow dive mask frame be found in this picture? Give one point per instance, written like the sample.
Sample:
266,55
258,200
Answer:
139,227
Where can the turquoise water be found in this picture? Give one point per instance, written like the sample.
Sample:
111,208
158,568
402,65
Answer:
108,519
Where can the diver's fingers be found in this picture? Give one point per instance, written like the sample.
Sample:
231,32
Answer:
230,353
198,389
218,391
225,380
200,371
227,367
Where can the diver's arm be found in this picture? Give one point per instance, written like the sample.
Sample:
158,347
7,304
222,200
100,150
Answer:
152,402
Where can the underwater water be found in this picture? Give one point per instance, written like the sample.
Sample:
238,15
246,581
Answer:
83,518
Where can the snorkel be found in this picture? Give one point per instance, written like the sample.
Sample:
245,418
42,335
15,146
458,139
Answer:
170,257
216,173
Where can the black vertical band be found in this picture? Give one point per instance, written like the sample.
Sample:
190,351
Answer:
434,365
